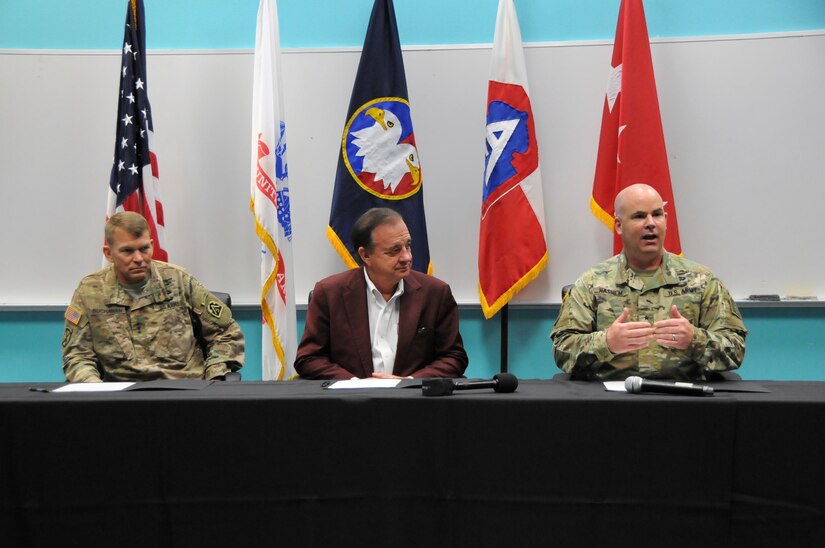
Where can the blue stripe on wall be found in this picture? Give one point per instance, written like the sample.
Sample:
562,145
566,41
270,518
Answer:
783,344
221,24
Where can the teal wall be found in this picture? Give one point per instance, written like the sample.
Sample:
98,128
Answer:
785,343
223,24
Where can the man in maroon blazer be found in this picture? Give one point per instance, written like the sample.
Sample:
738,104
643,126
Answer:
384,320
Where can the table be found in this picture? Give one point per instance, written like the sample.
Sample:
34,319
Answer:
561,463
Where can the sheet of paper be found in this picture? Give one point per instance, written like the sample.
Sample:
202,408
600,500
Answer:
614,386
94,387
364,383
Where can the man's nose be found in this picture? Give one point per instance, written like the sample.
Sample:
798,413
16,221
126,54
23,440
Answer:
406,255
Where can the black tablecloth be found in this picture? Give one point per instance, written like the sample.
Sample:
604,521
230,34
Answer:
555,463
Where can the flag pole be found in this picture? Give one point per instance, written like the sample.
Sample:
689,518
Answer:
505,320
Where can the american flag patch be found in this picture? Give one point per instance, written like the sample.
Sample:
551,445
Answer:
72,315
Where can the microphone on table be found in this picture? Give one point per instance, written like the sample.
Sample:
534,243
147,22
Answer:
502,382
637,385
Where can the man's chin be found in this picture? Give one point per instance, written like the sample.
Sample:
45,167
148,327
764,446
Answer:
137,277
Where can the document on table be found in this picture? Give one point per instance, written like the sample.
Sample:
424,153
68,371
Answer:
614,386
363,383
94,387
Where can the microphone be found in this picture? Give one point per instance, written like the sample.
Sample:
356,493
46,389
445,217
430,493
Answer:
637,385
501,382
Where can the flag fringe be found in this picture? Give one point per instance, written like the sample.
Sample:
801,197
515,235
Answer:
339,246
267,240
532,274
602,215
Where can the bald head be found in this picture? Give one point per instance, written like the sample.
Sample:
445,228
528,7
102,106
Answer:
632,194
640,220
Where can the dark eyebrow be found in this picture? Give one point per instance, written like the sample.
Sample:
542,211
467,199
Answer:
641,212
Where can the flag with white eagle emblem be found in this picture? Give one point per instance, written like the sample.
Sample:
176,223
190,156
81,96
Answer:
378,165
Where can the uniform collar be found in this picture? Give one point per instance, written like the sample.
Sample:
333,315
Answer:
664,276
154,292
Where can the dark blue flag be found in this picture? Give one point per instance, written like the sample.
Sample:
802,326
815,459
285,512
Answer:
378,165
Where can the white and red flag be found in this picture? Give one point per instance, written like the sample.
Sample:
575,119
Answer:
270,201
512,248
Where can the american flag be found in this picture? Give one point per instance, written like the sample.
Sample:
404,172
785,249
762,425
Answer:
133,184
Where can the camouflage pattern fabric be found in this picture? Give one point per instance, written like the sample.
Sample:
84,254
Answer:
598,297
161,334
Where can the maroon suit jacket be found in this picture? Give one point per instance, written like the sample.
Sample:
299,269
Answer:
336,342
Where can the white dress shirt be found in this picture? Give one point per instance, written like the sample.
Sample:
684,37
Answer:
383,325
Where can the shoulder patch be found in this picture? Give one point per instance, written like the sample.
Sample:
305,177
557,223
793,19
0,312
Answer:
73,315
215,308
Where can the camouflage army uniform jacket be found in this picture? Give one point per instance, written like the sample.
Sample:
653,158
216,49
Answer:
598,297
162,334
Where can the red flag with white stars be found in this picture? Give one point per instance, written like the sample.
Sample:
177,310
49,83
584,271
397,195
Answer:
632,143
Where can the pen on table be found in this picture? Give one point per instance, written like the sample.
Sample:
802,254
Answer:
35,389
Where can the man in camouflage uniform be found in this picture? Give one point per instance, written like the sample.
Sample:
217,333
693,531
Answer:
645,311
144,320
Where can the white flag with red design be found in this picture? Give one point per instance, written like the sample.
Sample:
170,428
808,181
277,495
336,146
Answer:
270,202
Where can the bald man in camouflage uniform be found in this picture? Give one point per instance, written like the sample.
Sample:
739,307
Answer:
645,311
139,319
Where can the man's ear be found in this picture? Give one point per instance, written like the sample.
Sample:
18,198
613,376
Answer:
617,225
362,252
107,252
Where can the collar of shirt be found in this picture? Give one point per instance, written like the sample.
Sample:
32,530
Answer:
383,317
154,290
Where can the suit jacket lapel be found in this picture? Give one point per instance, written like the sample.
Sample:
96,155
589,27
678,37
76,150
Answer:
412,303
355,299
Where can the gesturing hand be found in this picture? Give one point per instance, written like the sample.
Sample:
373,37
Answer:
624,336
675,332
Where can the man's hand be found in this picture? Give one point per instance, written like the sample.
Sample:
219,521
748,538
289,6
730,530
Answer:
624,336
676,332
384,376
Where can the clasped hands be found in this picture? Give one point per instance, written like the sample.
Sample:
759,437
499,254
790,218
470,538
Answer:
624,336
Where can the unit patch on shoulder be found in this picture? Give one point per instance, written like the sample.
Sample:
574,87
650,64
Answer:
215,308
73,315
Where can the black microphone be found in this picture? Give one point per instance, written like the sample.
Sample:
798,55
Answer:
501,382
637,385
